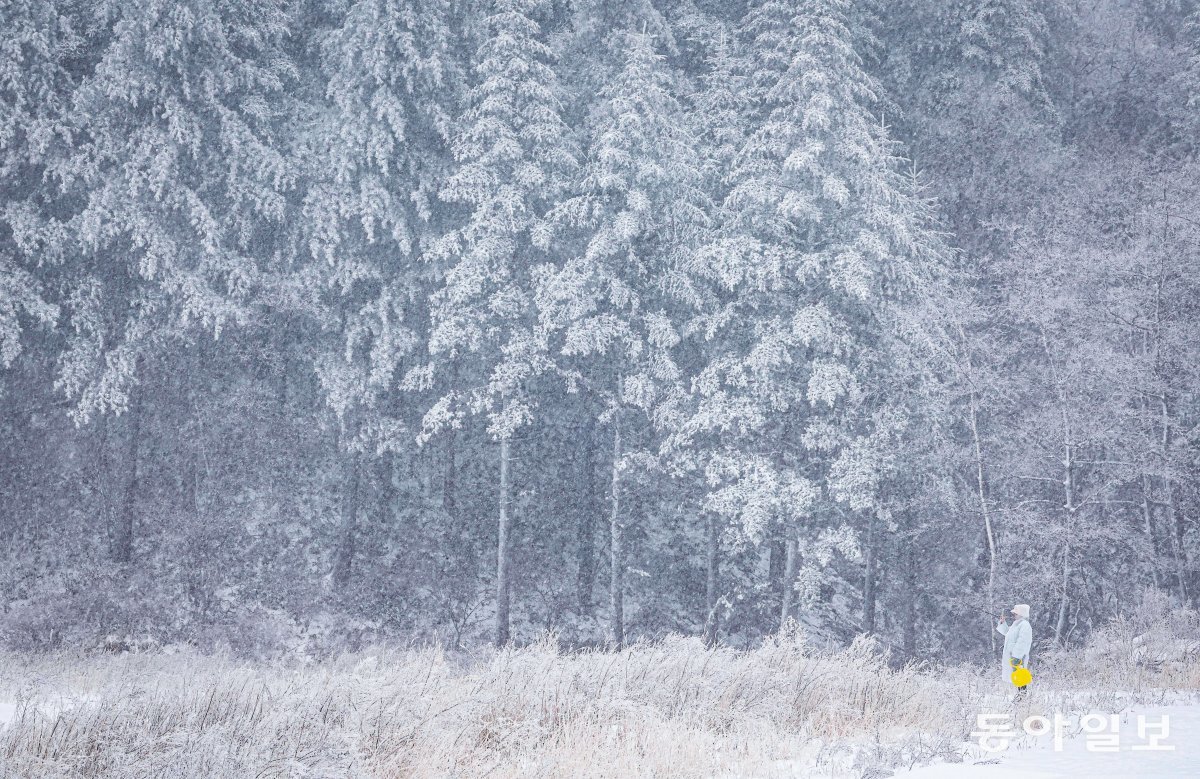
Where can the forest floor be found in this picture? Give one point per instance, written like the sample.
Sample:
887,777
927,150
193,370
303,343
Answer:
664,709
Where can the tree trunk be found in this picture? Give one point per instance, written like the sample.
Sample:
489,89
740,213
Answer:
191,480
585,581
122,549
1174,528
1070,508
711,581
100,474
776,562
386,496
789,578
450,480
776,556
1173,524
909,608
194,453
983,508
617,571
868,617
502,562
1177,545
281,338
1148,521
1061,622
344,561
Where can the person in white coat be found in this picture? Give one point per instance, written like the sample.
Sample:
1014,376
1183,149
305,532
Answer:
1018,638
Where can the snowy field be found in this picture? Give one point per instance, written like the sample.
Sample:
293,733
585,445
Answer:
1086,754
662,709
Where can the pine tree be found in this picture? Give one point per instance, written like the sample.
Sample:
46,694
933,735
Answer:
183,186
37,41
723,108
513,158
378,147
592,44
972,77
823,238
639,210
178,164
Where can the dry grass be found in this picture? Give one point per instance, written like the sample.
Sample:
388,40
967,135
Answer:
661,709
1152,657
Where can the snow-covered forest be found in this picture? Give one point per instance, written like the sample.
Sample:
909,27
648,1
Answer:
331,323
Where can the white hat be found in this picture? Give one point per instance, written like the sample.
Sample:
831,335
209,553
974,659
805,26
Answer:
1021,610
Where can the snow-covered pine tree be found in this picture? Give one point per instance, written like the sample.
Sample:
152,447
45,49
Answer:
822,239
513,158
720,108
183,188
377,149
590,43
614,306
971,76
37,40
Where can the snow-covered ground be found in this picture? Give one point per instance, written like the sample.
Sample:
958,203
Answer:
670,708
1079,754
1028,757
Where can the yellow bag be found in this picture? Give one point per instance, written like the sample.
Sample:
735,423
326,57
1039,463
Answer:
1021,676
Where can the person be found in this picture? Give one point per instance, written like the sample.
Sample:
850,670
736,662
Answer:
1018,637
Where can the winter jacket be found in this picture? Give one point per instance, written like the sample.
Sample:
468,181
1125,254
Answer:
1018,637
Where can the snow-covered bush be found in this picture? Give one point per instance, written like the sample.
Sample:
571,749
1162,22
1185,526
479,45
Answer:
1156,645
664,708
